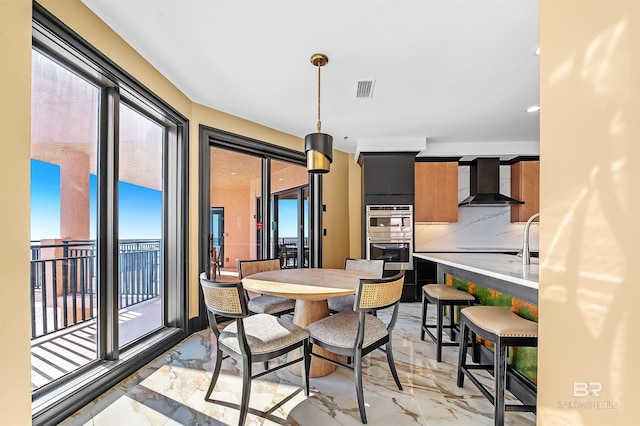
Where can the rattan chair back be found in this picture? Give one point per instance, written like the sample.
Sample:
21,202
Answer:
374,267
250,267
227,299
373,294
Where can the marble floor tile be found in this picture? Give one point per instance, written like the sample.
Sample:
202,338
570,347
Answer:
170,390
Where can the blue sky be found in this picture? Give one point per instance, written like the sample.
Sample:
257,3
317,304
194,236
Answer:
45,200
140,208
288,218
287,215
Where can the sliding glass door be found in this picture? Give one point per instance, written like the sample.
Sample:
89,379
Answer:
67,314
234,186
108,234
257,227
64,286
289,196
216,237
140,224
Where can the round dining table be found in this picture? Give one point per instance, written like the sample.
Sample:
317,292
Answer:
310,287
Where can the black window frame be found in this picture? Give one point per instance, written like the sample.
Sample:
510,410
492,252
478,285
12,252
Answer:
210,137
61,398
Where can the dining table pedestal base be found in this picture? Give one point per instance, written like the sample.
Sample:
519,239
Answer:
306,312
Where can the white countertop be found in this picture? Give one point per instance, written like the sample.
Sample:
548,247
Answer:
504,267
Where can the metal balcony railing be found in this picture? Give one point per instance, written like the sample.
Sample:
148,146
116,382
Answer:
64,281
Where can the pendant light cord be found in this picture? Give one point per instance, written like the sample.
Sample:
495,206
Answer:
319,124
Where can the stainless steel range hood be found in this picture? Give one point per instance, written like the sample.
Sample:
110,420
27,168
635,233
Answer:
485,184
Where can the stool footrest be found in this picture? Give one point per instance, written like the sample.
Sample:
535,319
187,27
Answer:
455,326
479,367
482,388
520,408
435,339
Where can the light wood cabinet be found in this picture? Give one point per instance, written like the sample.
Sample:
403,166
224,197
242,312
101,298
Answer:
436,191
525,186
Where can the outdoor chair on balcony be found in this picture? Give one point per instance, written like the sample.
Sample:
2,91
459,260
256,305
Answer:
355,333
345,303
265,303
214,263
249,339
288,255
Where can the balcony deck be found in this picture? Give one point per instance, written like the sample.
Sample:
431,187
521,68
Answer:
57,354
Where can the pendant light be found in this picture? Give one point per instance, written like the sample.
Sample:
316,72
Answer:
318,147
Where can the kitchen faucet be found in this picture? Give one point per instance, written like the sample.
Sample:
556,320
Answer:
526,254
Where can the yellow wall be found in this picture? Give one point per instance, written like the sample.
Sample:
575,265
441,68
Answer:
355,208
589,226
15,111
336,218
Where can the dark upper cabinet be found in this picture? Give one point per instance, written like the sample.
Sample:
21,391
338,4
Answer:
387,174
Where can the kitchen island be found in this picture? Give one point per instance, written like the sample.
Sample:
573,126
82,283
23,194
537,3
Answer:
504,273
494,279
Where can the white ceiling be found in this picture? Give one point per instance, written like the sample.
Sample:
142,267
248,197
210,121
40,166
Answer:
458,74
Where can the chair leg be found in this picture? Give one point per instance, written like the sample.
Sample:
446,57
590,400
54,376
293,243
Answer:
452,322
216,373
306,363
500,367
462,353
392,364
357,375
424,316
439,321
246,389
475,348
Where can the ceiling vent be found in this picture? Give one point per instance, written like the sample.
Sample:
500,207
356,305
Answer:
364,89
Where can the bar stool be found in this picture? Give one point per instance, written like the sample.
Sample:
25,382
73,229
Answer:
504,329
442,295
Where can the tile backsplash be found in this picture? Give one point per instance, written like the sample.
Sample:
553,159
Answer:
478,227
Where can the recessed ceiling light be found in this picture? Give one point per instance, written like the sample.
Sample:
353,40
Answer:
233,173
537,51
533,108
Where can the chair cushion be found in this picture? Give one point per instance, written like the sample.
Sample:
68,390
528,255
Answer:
342,303
500,321
446,292
265,333
267,304
341,329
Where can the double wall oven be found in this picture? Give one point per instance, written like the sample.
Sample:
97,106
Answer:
389,230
